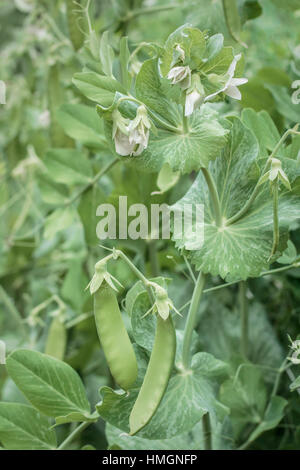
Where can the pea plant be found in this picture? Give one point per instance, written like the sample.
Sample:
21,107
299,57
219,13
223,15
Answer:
115,334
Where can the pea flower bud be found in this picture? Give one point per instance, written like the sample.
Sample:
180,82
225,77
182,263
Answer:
276,172
139,129
180,75
194,95
120,134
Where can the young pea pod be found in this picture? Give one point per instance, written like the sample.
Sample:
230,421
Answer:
57,339
157,375
114,338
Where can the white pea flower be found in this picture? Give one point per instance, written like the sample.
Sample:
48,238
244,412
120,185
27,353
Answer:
194,95
230,87
276,172
180,75
131,136
120,134
139,129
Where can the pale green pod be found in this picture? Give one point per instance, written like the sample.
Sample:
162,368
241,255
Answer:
114,338
157,375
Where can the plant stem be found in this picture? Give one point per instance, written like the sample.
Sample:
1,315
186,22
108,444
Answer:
154,262
275,219
206,430
185,122
73,435
137,272
214,196
191,321
94,180
258,187
244,317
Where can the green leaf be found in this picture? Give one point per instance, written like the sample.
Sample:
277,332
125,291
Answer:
186,152
188,441
264,129
106,54
242,249
52,193
124,60
149,90
59,220
284,102
289,255
51,386
167,178
68,166
191,40
272,417
224,326
246,397
82,124
23,428
97,87
192,395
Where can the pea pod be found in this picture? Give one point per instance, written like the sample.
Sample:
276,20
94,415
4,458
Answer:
114,338
157,375
57,339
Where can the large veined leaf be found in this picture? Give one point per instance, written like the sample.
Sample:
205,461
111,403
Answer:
221,438
192,395
23,428
242,249
52,386
190,151
183,151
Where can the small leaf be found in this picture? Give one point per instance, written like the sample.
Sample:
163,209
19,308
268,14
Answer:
68,166
59,220
272,417
98,87
81,123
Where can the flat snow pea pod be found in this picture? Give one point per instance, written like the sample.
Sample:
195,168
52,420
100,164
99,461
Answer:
157,375
57,339
114,338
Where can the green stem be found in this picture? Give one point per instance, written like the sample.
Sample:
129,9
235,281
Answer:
206,430
73,435
185,121
137,272
275,219
154,262
191,321
214,196
93,181
244,317
258,186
